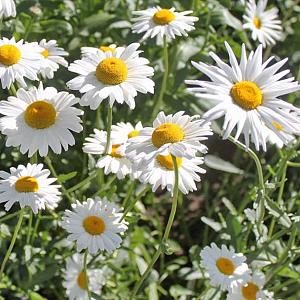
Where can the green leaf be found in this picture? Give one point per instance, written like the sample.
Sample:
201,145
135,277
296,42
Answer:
35,296
65,177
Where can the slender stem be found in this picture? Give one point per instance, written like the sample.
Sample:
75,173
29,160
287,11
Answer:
8,217
166,233
65,191
83,182
37,223
13,90
13,240
85,273
129,194
136,199
293,164
109,123
29,227
159,100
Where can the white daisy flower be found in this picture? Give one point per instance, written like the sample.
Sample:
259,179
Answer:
7,8
225,268
160,22
252,290
117,75
264,24
94,225
18,60
115,161
40,118
177,134
247,94
75,279
160,173
30,186
52,58
94,50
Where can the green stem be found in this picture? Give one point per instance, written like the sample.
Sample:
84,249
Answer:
129,194
166,234
293,164
64,190
159,99
13,90
132,204
82,183
37,223
8,217
13,240
29,227
85,273
109,123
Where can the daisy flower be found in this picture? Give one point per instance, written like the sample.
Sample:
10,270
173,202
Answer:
160,173
94,225
252,290
94,50
117,75
225,268
247,94
115,160
177,134
7,8
160,22
40,118
264,24
18,60
75,279
52,58
30,186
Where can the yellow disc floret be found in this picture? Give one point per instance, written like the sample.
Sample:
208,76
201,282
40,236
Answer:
167,162
94,225
163,17
246,94
225,266
107,49
27,184
112,71
133,133
40,115
114,151
167,133
81,280
9,55
249,291
45,53
257,22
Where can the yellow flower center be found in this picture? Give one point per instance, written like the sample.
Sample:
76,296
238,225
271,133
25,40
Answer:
40,115
45,53
277,126
9,55
133,133
249,291
94,225
167,133
246,94
167,162
225,266
112,71
26,184
257,22
81,280
114,149
107,49
163,17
